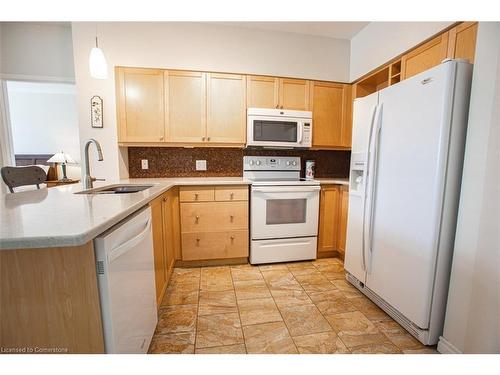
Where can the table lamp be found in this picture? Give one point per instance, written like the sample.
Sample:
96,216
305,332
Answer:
63,159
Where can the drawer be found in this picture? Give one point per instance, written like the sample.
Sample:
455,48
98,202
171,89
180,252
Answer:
215,245
196,194
214,216
231,193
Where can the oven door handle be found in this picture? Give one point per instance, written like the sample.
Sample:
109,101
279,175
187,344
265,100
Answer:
285,189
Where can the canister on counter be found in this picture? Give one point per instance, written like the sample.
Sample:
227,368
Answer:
310,169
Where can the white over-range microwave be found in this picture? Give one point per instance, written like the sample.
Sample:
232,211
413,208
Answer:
279,128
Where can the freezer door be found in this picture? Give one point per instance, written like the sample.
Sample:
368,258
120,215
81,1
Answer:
412,148
363,120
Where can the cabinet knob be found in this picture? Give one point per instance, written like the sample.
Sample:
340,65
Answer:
196,197
197,219
197,242
281,107
277,106
232,238
165,199
232,196
161,138
208,139
231,217
202,138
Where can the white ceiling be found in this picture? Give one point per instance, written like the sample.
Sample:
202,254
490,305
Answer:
339,30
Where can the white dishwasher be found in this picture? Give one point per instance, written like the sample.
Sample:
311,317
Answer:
125,274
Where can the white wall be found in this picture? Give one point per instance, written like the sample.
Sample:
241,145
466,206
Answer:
36,49
197,46
379,42
44,119
472,323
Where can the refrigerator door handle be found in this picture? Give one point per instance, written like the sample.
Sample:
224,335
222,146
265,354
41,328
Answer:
367,173
373,179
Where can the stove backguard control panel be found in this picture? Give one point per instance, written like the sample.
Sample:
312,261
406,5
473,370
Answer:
270,163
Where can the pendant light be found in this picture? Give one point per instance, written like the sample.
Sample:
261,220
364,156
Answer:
97,62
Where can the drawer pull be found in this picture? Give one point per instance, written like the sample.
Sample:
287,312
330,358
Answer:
195,197
232,196
231,217
197,242
197,219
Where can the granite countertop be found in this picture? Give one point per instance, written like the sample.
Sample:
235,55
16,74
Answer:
58,217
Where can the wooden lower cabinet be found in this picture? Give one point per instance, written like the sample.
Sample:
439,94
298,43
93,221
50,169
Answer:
329,205
214,222
49,300
166,238
332,220
214,245
344,206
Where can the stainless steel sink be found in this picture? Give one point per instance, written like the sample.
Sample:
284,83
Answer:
116,189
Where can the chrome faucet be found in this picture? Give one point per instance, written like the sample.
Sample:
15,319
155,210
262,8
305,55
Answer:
88,179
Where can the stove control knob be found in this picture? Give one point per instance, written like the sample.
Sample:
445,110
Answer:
288,163
294,163
257,162
251,162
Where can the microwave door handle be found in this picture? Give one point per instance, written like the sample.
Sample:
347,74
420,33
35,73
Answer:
300,131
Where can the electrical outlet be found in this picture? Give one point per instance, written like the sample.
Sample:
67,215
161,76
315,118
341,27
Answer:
201,165
144,164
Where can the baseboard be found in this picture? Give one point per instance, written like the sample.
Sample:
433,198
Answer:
446,347
211,262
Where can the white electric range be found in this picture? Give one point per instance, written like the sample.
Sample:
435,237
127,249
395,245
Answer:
284,210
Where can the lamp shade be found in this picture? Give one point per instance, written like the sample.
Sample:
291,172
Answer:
97,64
61,157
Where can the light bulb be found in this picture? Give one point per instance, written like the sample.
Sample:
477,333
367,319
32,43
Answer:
97,64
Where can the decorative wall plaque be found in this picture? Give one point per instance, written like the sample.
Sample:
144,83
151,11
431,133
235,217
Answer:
96,112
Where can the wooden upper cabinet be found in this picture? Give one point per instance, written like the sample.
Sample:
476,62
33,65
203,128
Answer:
346,131
331,105
185,94
140,105
226,108
294,94
462,41
327,113
273,92
262,92
328,231
425,57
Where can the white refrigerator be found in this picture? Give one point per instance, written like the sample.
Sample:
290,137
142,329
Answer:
406,167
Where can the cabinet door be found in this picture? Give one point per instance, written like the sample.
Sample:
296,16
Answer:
168,234
344,205
462,41
226,108
185,106
327,108
140,105
262,92
328,219
294,94
158,248
425,57
346,131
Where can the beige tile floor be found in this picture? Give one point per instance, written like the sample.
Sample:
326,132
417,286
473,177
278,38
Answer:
302,307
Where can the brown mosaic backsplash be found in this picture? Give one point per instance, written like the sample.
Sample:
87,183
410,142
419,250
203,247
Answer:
180,162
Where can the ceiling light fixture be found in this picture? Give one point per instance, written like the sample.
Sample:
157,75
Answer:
97,62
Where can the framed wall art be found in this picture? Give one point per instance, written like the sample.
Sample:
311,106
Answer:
96,112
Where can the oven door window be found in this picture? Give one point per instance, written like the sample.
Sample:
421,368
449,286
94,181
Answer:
275,131
286,211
